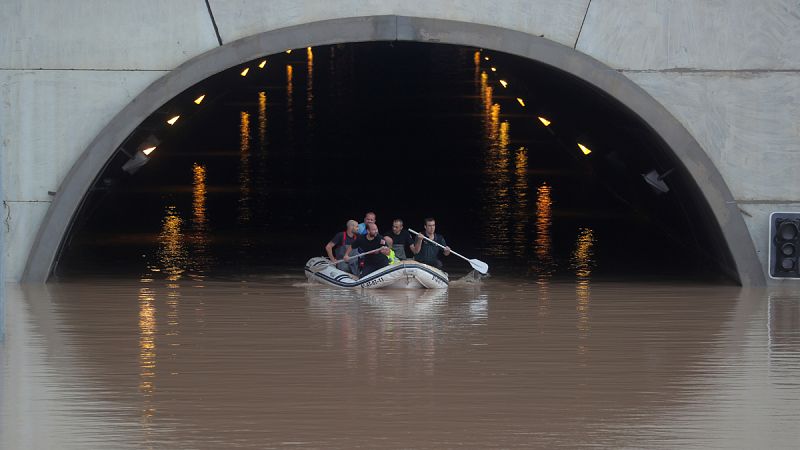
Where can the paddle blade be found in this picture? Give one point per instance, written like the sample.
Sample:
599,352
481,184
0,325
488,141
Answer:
479,265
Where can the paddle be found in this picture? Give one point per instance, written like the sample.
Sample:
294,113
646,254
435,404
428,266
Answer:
476,264
322,266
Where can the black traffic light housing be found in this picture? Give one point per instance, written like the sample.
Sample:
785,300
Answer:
784,245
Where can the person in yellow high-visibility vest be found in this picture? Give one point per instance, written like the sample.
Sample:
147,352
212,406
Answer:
392,258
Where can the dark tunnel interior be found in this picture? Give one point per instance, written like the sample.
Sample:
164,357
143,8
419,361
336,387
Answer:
282,151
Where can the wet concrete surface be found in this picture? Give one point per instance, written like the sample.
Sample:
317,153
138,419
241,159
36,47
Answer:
272,362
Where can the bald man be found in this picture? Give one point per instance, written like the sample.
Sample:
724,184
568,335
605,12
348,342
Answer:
370,241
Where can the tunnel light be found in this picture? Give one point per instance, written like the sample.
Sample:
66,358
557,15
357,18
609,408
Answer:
544,121
494,69
244,72
656,181
521,101
584,149
262,64
504,83
173,120
199,100
142,155
288,51
486,58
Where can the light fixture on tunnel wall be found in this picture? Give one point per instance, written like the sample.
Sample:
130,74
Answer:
142,155
504,83
544,121
262,64
244,72
521,101
173,119
199,100
784,245
656,181
584,149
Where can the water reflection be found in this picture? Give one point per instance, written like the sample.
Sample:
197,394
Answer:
783,325
244,168
172,254
90,364
310,87
147,353
497,168
582,262
543,243
372,325
521,213
262,120
289,100
201,259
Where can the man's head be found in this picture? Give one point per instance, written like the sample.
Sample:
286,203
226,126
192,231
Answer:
351,226
397,226
369,217
372,230
430,225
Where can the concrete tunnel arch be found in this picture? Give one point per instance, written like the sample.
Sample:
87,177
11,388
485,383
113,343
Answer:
715,192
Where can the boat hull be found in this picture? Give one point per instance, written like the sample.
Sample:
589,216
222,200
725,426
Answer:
404,275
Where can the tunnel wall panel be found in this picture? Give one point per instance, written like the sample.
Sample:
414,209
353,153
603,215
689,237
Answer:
51,116
103,35
691,34
558,21
747,123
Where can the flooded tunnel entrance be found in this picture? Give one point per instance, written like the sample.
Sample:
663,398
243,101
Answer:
524,166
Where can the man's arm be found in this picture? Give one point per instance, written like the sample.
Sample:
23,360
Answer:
329,250
347,252
446,249
417,245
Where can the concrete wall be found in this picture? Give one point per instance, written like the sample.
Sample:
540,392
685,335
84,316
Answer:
728,70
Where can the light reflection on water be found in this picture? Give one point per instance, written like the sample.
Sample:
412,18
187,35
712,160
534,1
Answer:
244,168
172,254
200,256
521,213
147,352
289,99
582,262
542,244
310,86
94,365
497,172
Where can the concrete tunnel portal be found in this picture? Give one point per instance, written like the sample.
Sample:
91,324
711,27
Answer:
656,152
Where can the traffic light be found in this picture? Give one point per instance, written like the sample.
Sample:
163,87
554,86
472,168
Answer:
784,245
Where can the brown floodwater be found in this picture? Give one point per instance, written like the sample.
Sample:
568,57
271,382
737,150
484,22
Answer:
273,362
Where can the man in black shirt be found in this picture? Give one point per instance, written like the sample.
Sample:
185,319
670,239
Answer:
428,253
370,241
401,239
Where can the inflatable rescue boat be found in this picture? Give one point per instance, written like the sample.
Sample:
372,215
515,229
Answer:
407,274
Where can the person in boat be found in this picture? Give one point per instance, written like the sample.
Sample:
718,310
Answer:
369,218
370,241
401,239
428,253
338,245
